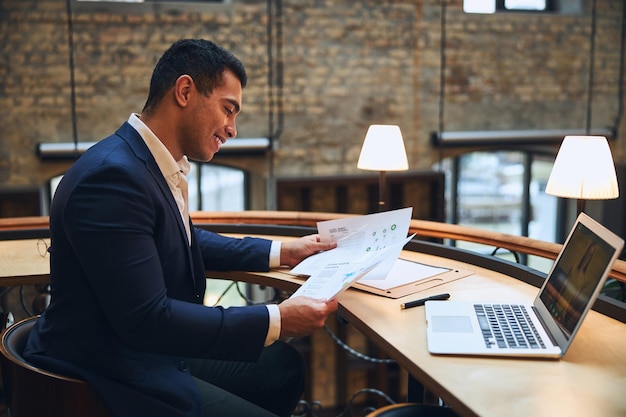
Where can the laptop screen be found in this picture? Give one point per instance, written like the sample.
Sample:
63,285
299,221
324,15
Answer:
575,276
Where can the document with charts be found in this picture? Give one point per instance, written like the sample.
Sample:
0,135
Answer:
367,245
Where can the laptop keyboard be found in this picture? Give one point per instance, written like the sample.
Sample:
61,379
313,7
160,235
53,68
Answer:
507,326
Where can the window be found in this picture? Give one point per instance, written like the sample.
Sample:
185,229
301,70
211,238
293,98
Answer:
211,188
216,188
502,191
493,6
511,5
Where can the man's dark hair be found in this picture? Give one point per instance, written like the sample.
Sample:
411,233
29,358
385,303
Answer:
202,60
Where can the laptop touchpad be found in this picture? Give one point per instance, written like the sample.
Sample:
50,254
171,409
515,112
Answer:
451,324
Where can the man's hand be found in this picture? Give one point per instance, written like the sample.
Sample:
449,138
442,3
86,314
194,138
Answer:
294,251
300,316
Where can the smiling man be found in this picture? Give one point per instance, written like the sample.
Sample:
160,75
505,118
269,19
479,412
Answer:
127,266
197,115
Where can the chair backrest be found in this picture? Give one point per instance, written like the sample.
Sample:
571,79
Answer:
32,391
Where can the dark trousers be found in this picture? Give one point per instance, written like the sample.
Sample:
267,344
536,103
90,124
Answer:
270,387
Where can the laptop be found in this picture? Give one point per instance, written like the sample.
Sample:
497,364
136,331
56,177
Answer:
544,328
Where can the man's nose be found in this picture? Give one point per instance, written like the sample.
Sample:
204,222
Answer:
231,131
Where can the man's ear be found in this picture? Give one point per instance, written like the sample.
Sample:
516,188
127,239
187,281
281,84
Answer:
183,88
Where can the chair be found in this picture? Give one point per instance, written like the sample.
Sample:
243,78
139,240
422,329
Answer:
412,410
31,391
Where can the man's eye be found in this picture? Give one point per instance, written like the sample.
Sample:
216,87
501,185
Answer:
228,111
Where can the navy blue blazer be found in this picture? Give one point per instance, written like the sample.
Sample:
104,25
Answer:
127,289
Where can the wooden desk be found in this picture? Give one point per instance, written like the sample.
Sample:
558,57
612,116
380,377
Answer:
24,262
589,381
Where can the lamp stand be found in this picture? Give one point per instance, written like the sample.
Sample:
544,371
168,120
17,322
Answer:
580,206
382,180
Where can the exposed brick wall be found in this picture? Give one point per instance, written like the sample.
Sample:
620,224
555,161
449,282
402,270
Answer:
346,65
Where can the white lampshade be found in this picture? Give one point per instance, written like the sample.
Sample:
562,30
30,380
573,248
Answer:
383,149
584,169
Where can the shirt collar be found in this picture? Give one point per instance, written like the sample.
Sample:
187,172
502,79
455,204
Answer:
164,159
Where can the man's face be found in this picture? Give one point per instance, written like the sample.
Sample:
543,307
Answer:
210,121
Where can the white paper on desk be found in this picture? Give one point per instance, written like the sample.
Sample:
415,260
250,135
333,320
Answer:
358,237
337,275
404,272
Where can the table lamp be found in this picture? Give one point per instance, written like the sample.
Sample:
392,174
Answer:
383,150
583,170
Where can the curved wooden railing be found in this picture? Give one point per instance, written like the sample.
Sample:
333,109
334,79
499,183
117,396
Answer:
23,223
423,228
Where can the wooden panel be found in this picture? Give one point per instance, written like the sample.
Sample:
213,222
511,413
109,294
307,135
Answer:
358,194
19,203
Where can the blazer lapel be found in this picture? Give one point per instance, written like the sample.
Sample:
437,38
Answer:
140,149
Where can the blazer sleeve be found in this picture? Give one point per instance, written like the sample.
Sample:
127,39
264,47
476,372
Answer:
223,253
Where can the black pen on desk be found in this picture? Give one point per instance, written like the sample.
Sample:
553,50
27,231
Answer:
420,302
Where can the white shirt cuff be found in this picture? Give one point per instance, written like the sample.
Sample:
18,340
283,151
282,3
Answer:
275,254
273,332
